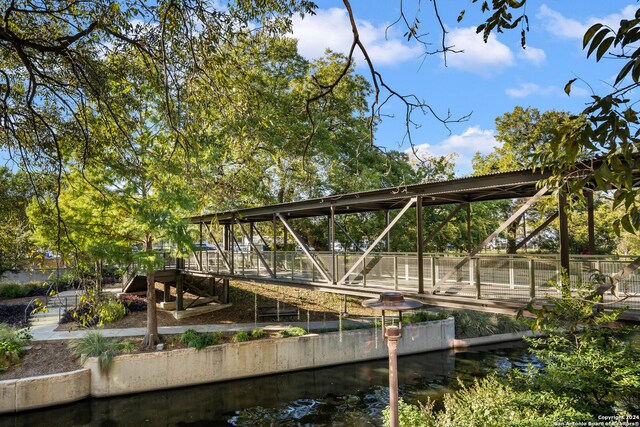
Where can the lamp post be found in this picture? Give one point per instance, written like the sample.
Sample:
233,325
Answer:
392,301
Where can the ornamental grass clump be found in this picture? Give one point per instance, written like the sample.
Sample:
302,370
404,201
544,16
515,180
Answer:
94,344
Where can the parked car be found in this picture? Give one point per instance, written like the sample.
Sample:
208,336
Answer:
299,248
204,246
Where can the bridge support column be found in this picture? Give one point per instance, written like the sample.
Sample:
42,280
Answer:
563,231
420,244
590,223
179,292
225,291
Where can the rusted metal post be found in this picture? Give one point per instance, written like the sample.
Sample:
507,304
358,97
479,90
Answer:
532,279
590,223
393,335
332,234
564,232
420,244
273,251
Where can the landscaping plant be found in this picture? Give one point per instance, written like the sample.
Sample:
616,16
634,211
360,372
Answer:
94,344
198,340
588,370
12,342
293,331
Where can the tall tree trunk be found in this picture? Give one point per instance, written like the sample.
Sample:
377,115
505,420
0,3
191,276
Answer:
151,335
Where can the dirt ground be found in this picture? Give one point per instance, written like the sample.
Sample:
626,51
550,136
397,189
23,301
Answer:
46,358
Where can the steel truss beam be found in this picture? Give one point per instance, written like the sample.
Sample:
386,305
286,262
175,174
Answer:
378,240
220,251
492,236
305,248
262,260
358,248
535,232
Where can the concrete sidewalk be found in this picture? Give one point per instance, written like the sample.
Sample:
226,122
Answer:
47,332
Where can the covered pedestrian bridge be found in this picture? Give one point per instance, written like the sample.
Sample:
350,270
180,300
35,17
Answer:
251,244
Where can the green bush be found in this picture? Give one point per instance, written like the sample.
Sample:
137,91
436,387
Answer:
10,290
257,333
94,344
198,340
489,402
127,346
12,342
425,316
241,336
111,310
471,324
293,331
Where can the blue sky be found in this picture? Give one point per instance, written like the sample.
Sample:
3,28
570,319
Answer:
486,80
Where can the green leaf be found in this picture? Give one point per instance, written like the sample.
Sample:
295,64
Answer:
589,34
461,16
567,87
597,40
624,71
604,47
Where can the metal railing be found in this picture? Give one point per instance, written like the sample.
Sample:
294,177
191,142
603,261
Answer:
488,276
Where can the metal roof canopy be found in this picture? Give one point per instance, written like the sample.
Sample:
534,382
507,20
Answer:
499,186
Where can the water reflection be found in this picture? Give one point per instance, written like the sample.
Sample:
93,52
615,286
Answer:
346,395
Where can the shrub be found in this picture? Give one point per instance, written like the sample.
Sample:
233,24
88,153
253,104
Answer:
257,333
293,331
111,310
12,342
425,316
488,402
94,344
471,324
95,309
133,303
241,336
199,341
10,290
127,346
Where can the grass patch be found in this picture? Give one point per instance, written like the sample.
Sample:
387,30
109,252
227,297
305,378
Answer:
257,333
127,346
242,336
198,340
293,331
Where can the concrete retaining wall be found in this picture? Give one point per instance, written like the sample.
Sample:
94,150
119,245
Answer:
169,369
46,390
141,372
493,339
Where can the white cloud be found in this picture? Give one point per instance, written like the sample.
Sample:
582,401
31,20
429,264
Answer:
529,89
478,57
564,27
465,146
533,55
330,28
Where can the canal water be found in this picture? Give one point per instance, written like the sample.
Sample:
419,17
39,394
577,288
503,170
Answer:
345,395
